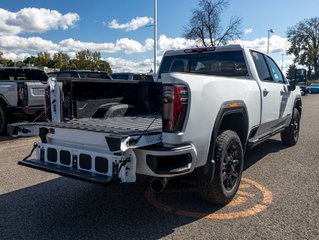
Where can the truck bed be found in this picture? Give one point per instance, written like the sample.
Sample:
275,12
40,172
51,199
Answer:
128,125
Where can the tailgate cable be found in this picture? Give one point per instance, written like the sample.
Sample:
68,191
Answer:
134,141
32,150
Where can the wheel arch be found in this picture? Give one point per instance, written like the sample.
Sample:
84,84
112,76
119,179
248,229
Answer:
3,100
298,105
233,115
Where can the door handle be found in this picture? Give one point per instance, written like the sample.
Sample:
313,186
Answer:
265,92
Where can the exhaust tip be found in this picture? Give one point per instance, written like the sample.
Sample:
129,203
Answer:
158,184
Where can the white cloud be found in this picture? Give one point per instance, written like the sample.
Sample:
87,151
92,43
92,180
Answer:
132,25
124,65
17,48
35,20
166,43
277,44
248,31
19,44
126,45
16,57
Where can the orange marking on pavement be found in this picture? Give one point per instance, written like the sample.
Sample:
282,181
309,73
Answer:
240,200
245,194
244,185
237,201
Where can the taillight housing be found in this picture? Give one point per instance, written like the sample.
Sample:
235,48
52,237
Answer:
22,94
47,104
175,104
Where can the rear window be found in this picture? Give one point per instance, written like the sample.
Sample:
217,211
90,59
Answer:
228,64
142,77
94,75
120,76
22,74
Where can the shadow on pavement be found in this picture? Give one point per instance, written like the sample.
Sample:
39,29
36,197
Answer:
69,209
260,151
6,138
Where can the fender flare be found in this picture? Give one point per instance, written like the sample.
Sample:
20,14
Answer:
3,99
227,108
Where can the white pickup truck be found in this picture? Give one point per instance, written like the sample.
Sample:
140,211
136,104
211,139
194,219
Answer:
208,106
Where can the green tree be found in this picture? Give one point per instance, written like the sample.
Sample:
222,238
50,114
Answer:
205,25
88,60
291,71
31,61
44,59
104,66
304,39
61,60
5,62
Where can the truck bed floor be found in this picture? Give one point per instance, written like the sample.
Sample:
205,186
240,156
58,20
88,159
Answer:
116,125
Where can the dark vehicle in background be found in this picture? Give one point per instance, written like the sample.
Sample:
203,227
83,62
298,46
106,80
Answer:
132,76
80,74
314,88
301,80
21,95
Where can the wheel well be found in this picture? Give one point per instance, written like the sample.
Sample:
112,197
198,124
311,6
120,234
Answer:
236,122
298,105
2,101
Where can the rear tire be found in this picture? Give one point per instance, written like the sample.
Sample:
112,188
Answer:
3,120
290,135
229,161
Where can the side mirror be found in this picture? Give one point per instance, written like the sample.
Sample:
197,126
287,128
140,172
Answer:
292,85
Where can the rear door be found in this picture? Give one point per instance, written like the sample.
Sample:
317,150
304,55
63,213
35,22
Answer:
275,96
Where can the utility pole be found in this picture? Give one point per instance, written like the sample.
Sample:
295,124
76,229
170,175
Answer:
155,36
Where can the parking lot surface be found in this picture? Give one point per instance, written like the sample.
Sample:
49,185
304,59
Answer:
278,198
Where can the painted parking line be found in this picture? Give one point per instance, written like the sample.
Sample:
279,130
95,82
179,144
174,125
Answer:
252,198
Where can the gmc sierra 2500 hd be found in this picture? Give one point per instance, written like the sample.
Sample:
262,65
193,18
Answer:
208,106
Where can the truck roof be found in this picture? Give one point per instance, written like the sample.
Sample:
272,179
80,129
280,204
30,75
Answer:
195,50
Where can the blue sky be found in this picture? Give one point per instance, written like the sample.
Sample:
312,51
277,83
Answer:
121,31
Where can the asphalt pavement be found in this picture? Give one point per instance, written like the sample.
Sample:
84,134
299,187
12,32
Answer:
278,198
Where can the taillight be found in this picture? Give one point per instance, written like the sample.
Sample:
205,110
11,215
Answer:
47,104
175,103
22,94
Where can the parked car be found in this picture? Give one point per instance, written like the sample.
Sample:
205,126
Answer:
132,76
304,90
314,88
80,74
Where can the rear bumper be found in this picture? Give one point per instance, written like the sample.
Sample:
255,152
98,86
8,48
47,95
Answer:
160,161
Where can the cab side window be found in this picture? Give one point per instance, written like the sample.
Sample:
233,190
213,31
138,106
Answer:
261,66
267,69
274,71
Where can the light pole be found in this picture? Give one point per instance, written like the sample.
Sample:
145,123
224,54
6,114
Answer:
155,35
269,31
282,61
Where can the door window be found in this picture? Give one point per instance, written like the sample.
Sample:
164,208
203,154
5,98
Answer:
274,70
261,66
